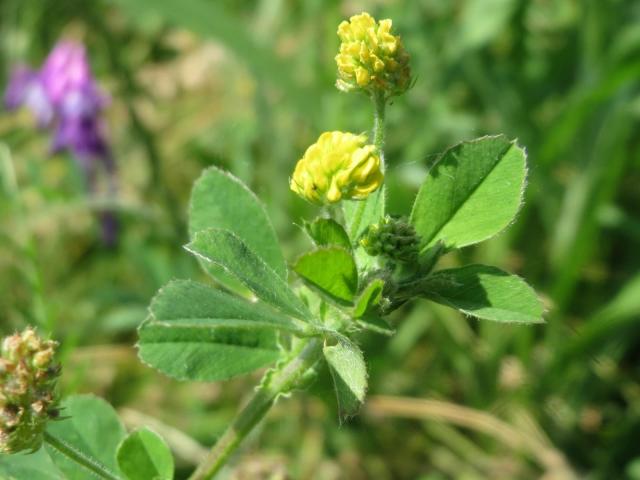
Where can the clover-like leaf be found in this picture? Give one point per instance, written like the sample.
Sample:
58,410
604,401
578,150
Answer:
32,466
326,232
184,303
226,250
220,200
144,455
369,298
349,374
473,192
196,332
92,428
485,292
330,269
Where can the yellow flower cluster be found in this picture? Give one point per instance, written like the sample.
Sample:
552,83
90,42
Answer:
370,57
339,165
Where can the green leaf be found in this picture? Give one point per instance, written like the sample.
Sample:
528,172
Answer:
225,249
349,374
326,232
220,200
93,429
366,312
185,303
369,298
32,466
206,354
472,193
200,333
485,292
144,455
332,270
359,214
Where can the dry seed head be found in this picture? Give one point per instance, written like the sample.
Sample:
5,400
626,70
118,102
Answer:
28,399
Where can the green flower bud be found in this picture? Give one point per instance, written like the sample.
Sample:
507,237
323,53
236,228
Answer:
392,237
28,399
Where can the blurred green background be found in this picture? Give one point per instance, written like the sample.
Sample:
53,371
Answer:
248,86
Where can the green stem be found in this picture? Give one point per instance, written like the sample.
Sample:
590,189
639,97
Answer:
78,457
379,104
280,381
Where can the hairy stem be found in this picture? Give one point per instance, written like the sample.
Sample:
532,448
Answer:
275,383
78,457
379,104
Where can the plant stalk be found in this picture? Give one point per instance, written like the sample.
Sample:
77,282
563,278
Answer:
379,104
78,457
275,383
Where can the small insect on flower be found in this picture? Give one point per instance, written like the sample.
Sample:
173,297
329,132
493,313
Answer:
28,398
371,57
338,166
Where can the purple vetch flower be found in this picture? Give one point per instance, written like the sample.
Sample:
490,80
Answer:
80,127
70,87
66,70
64,96
25,89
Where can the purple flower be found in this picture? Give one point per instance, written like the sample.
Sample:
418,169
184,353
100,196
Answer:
70,87
66,70
25,89
64,96
80,128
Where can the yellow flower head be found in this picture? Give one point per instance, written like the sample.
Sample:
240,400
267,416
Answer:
370,57
339,165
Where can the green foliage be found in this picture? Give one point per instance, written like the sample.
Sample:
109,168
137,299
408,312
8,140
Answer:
196,332
369,299
91,428
368,308
359,215
143,455
225,249
326,232
32,466
472,193
349,374
220,83
485,292
332,270
219,200
184,303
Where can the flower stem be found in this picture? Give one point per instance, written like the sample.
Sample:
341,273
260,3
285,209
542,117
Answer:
282,380
379,104
78,457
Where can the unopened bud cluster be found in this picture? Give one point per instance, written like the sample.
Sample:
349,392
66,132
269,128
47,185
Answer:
371,58
28,377
392,237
